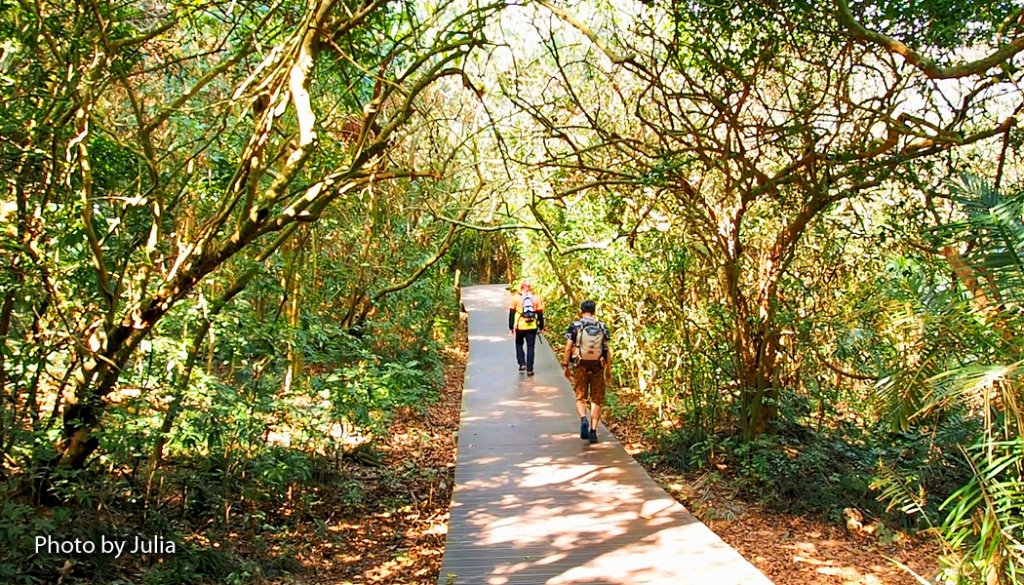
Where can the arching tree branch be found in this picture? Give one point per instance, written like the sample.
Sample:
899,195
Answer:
926,64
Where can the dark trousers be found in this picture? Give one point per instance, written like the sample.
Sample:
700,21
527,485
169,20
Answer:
530,336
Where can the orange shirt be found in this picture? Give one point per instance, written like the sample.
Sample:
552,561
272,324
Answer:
516,304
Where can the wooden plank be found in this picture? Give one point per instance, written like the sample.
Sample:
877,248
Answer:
535,504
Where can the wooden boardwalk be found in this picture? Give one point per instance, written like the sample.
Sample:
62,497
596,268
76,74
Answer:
534,504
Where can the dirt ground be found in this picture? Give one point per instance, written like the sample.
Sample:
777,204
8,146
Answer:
792,549
395,535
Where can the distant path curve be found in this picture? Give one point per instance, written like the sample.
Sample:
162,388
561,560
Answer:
534,504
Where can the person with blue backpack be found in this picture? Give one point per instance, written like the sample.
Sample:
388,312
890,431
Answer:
525,322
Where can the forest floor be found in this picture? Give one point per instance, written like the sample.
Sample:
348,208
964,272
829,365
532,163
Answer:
395,532
792,549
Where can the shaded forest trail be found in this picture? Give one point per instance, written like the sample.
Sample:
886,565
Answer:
534,504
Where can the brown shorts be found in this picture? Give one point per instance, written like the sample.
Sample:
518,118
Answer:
589,385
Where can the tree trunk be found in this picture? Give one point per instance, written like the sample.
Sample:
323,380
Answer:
8,415
507,255
293,314
570,295
755,346
83,410
486,261
759,380
6,311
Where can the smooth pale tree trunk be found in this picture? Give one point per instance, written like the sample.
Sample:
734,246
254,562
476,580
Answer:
293,296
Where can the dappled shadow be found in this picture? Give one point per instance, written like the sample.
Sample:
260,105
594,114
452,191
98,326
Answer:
488,338
535,504
579,523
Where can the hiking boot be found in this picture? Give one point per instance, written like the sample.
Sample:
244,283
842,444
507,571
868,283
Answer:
593,436
584,429
522,367
529,372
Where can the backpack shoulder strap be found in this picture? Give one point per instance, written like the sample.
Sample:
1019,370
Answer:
580,325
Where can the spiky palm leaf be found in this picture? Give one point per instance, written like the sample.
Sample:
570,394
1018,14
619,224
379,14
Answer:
984,519
965,338
973,362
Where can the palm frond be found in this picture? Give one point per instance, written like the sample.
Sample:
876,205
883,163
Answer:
984,519
970,359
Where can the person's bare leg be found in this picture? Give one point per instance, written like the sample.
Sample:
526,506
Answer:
595,415
581,407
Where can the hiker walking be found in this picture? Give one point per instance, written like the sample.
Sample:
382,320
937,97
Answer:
525,321
588,365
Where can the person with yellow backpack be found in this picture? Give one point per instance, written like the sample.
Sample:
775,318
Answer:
525,322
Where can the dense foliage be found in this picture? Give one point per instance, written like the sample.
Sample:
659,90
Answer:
234,233
779,206
223,225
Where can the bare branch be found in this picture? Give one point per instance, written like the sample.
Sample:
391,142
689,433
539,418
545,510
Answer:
594,37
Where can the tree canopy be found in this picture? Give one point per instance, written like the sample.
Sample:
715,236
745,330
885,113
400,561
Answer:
802,219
